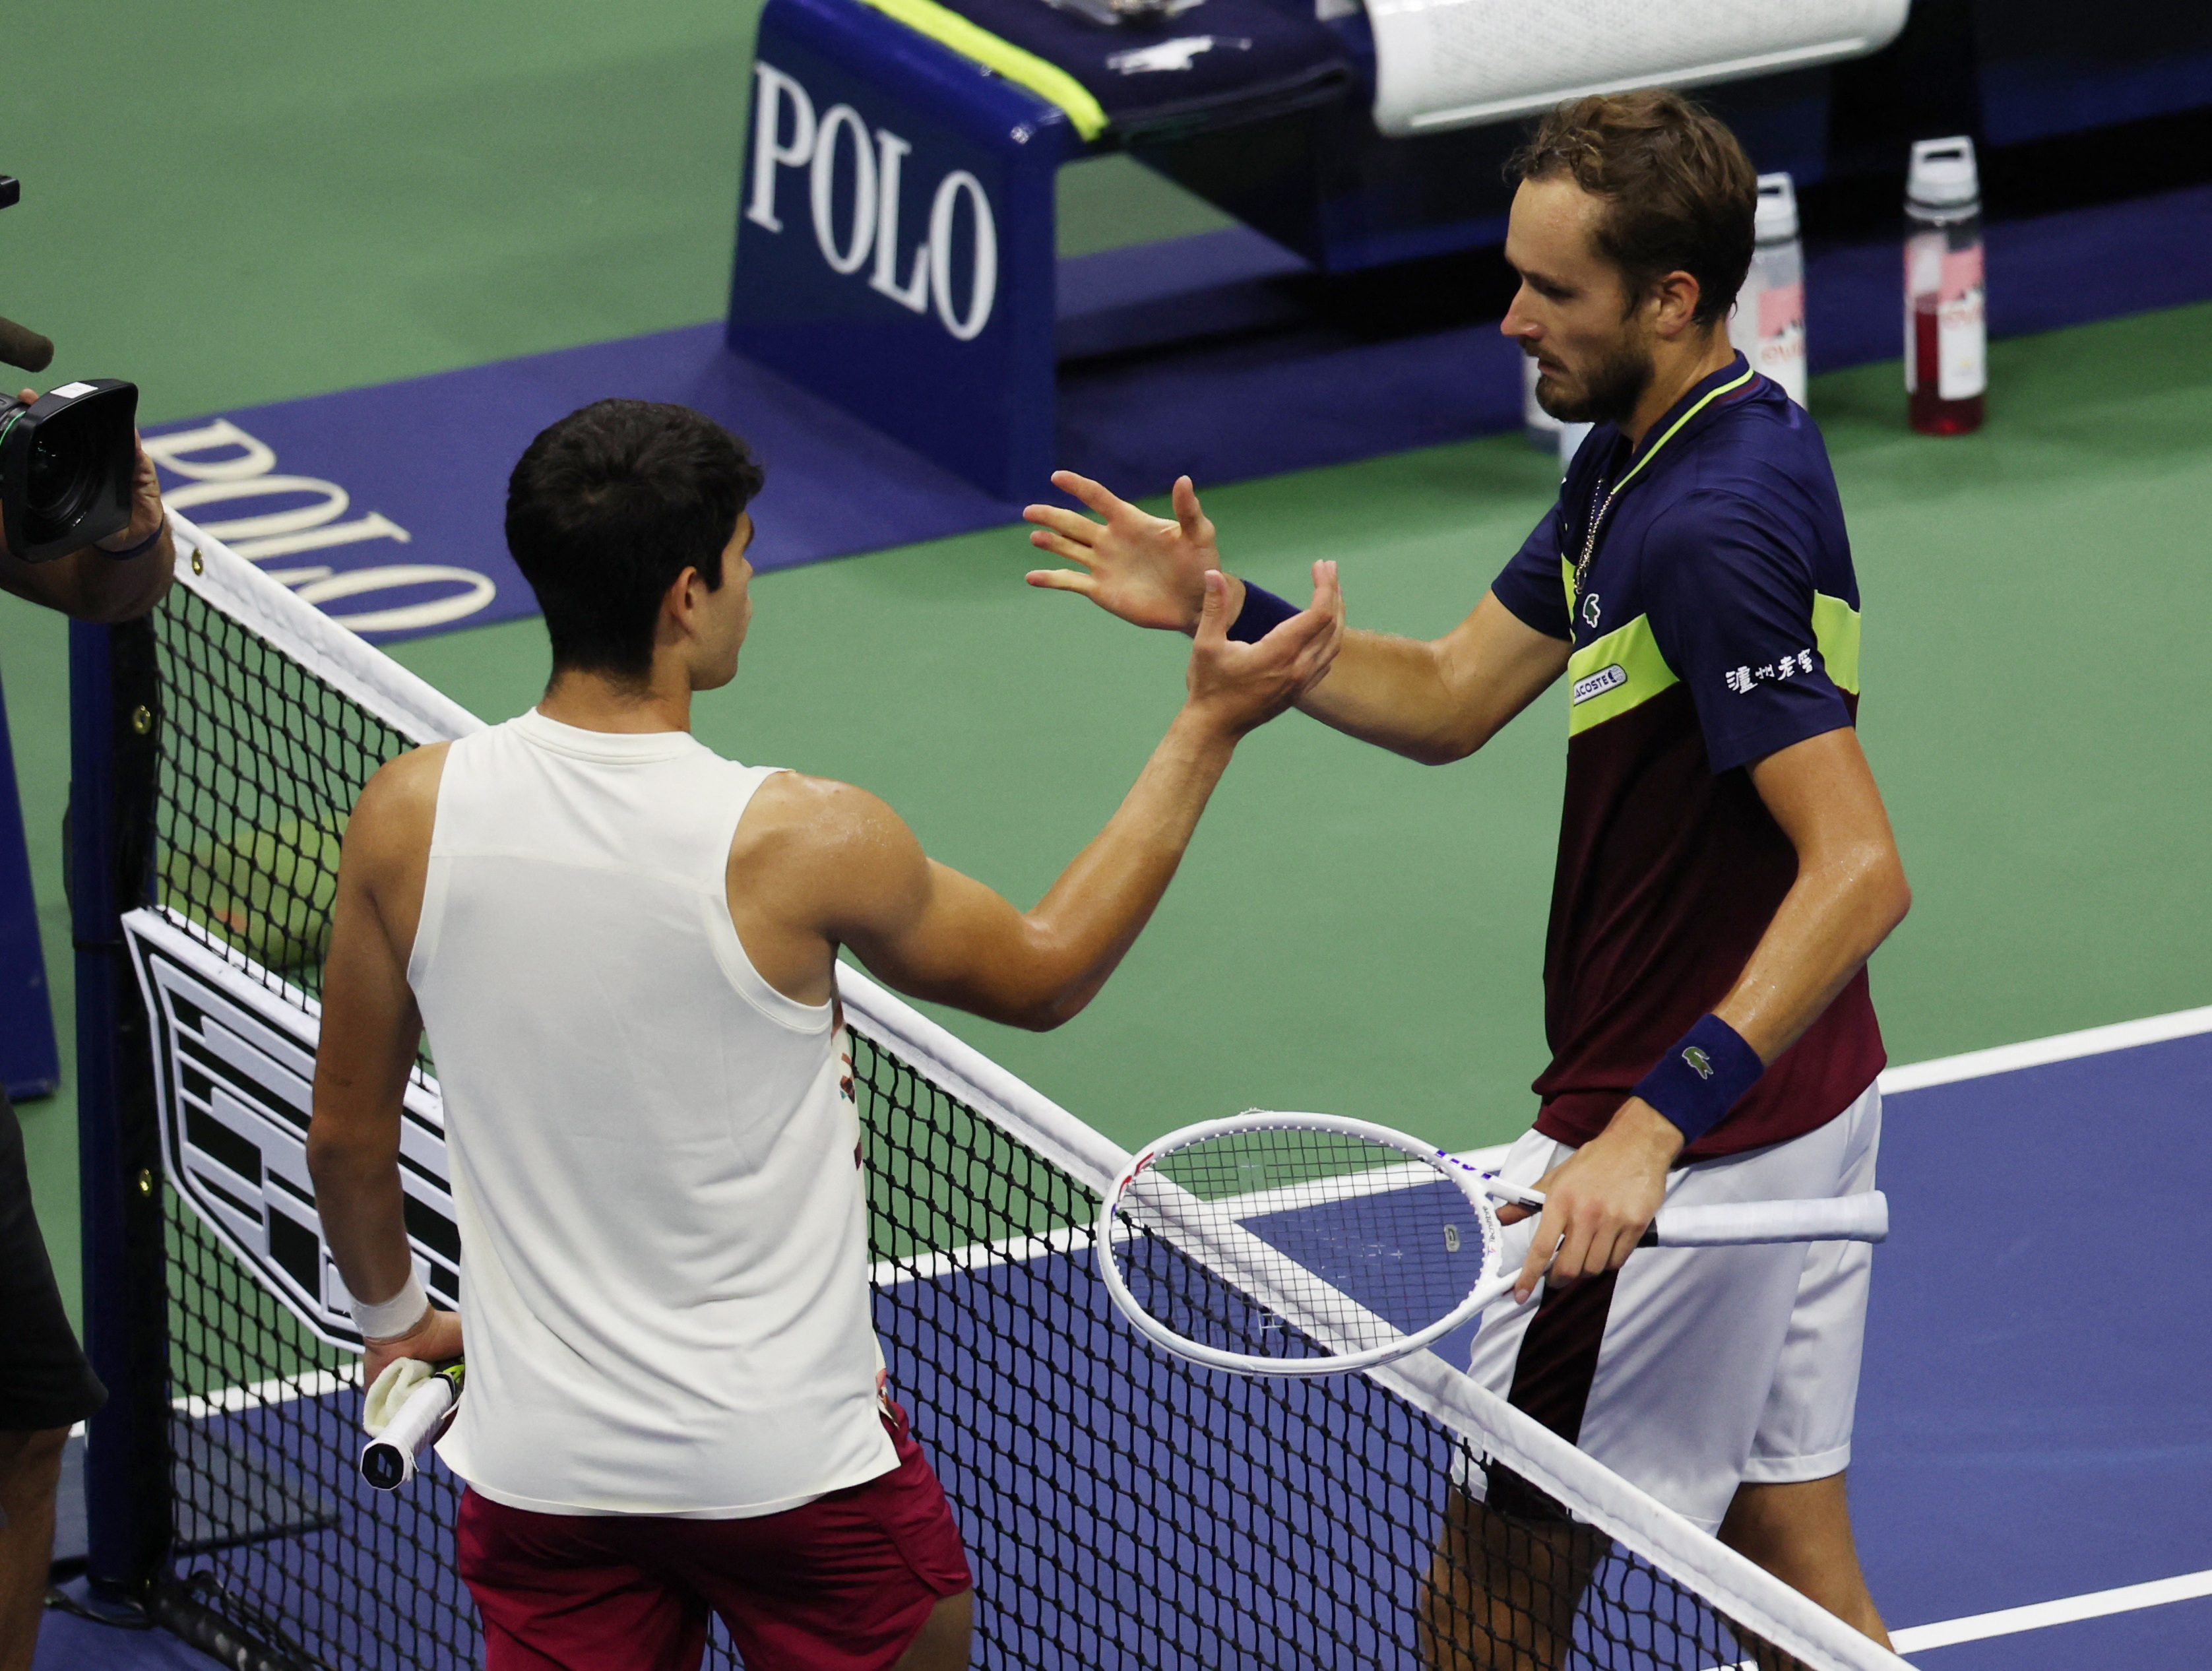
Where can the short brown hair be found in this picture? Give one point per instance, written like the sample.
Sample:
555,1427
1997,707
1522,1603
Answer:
1679,194
607,508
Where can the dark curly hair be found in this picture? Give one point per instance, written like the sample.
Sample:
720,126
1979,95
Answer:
607,508
1679,194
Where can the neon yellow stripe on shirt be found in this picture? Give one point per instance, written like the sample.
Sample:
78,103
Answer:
1836,634
1611,675
1652,452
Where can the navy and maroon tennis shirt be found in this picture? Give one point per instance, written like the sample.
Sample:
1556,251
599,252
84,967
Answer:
1716,621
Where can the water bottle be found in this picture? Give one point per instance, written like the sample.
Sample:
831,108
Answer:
1768,324
1540,428
1946,335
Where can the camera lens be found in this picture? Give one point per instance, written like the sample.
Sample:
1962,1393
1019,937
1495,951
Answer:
60,487
66,468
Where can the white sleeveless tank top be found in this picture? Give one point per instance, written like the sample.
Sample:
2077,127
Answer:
664,1281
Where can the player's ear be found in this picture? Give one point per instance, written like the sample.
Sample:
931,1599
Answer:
679,604
1677,297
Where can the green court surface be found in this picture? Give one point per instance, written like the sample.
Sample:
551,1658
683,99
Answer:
256,202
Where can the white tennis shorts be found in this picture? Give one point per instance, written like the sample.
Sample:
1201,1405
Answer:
1703,1367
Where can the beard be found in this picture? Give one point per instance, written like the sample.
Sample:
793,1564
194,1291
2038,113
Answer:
1611,389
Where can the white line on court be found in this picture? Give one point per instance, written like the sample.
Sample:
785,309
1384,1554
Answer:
283,1388
2041,1615
2038,1052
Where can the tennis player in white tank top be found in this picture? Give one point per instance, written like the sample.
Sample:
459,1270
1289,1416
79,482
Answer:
622,947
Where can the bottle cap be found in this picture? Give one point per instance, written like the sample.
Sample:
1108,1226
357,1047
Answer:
1942,175
1778,209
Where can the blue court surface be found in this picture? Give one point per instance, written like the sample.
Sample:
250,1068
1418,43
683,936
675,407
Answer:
2034,1448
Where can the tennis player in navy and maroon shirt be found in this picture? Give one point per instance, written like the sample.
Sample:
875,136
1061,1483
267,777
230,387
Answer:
1725,869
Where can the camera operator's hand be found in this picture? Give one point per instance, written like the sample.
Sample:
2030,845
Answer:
146,513
90,584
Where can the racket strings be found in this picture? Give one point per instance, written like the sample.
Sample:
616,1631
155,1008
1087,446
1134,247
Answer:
1200,1303
1290,1242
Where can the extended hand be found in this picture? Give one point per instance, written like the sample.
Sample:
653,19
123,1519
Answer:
435,1340
1599,1202
1147,569
1244,686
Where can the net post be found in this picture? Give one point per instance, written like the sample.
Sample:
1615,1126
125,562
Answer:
114,713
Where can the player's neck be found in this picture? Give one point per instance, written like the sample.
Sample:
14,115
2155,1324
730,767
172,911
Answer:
594,702
1677,367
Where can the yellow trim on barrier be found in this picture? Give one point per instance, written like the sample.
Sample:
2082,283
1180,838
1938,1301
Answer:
1048,80
1611,675
1836,632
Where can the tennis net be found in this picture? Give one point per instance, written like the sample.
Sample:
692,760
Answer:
1121,1508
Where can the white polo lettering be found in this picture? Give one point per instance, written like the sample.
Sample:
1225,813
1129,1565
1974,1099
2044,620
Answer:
823,183
477,591
219,492
375,525
245,469
773,88
913,294
879,176
983,287
174,451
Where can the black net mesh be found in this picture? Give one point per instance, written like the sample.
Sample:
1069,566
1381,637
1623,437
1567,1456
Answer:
1121,1508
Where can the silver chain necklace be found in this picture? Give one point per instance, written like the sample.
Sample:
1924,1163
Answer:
1598,511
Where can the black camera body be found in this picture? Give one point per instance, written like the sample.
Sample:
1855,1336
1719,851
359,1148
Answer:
67,461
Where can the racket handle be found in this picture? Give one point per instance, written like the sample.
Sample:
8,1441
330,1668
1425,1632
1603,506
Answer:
387,1461
1862,1218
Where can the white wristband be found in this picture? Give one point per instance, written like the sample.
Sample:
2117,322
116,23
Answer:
396,1315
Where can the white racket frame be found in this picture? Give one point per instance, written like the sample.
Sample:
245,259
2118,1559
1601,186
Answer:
1268,1277
1273,1280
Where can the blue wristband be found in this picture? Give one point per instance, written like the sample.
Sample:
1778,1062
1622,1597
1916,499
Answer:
1703,1075
140,549
1262,613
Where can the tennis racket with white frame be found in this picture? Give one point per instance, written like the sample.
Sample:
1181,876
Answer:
1311,1245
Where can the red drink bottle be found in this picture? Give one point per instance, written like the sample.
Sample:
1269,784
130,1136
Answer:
1946,335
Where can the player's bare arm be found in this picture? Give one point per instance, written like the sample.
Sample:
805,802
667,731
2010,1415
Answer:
827,865
1433,700
1849,894
370,1031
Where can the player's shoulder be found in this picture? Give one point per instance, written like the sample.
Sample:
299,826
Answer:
815,845
404,789
393,820
800,801
1764,444
793,815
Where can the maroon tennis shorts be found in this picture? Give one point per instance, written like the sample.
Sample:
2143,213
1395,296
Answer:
841,1583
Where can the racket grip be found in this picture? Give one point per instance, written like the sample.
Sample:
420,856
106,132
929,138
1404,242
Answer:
1860,1218
387,1461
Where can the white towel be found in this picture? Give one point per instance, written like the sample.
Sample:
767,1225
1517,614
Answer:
390,1390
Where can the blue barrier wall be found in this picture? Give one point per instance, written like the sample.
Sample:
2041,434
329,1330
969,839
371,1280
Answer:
895,240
